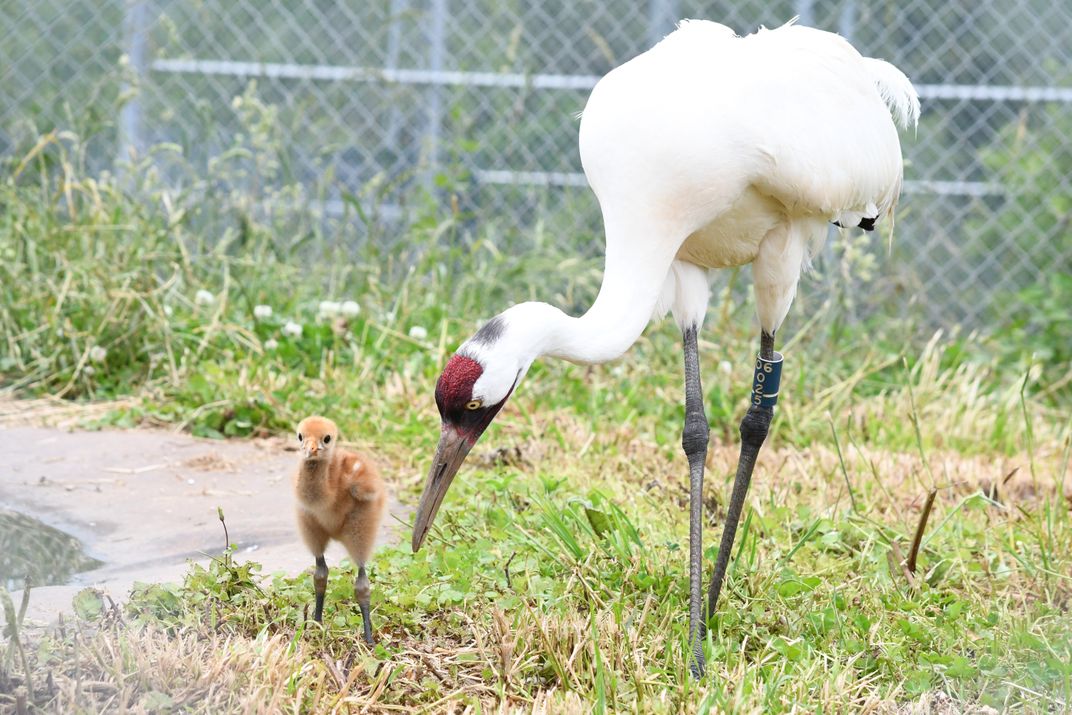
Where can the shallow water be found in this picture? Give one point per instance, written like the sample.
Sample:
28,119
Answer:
32,549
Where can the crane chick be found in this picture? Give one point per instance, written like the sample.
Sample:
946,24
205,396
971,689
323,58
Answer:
340,496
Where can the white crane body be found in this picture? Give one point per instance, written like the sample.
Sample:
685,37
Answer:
717,144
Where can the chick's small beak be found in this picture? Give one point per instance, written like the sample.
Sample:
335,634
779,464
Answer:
451,452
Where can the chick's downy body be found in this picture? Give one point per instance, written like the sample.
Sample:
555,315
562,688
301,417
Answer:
340,496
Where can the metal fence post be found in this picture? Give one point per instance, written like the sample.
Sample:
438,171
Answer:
437,47
847,20
662,16
394,42
131,140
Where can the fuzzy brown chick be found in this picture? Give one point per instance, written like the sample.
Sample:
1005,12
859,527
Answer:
340,496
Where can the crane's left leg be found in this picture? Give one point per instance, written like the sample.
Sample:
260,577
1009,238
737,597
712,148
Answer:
694,441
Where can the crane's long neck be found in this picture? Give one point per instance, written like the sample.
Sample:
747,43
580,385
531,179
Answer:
638,262
633,278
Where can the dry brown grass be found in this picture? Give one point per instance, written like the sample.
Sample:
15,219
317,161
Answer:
54,412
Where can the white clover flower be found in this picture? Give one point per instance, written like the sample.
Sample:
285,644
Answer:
261,312
725,366
203,297
97,353
418,333
292,329
168,310
328,309
89,371
271,344
350,308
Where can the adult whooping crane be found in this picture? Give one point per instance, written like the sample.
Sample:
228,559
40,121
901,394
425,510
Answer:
707,151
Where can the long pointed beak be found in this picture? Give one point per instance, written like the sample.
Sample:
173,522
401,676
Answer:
451,452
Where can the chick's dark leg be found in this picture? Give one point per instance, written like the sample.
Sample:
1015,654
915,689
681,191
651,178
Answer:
363,594
754,429
320,583
694,440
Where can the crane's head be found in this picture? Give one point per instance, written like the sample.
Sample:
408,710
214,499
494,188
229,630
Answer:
473,387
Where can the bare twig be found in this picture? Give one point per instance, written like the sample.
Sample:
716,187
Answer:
991,489
920,528
506,570
897,561
340,679
429,662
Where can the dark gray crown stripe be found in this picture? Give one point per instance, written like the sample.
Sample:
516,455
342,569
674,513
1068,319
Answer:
490,331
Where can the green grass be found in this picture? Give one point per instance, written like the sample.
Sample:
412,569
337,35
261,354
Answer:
555,578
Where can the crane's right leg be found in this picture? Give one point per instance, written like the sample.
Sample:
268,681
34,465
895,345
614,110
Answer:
775,271
694,441
320,583
754,428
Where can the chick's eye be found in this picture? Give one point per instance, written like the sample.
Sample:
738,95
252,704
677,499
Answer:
327,438
300,438
474,404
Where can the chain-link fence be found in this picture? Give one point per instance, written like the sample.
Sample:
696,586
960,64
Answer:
478,97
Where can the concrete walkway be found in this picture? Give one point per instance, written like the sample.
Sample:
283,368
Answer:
144,503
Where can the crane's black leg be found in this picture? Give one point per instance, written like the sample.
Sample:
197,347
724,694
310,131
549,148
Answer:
320,583
754,428
363,594
694,441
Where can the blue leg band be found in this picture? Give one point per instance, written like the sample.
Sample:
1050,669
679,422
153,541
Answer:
766,380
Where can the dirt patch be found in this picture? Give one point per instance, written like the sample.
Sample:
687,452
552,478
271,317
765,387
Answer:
937,703
144,503
212,462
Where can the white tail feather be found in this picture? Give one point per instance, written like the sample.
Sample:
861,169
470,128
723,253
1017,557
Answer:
896,90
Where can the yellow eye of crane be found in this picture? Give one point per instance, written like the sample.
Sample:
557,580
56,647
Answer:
474,404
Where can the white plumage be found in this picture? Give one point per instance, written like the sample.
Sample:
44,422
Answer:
742,149
709,151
